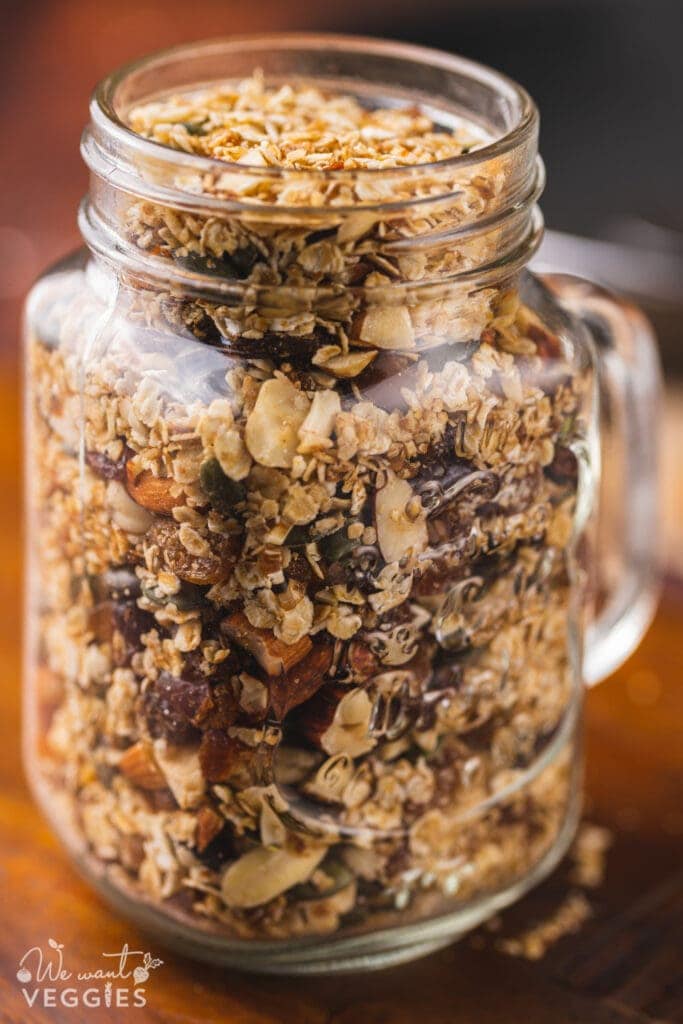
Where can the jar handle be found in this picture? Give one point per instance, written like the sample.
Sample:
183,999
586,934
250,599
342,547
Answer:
626,566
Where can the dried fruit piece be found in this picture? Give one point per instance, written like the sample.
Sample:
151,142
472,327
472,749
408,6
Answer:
139,766
238,264
564,469
154,493
198,569
173,706
220,755
361,662
273,655
386,327
221,709
106,467
109,618
301,682
399,529
262,874
272,430
209,824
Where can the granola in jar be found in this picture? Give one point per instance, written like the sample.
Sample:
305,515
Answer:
307,453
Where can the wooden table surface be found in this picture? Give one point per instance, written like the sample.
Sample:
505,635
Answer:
623,966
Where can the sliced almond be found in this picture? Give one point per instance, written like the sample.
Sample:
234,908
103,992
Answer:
347,366
319,424
337,721
262,874
349,732
386,327
355,226
140,768
397,532
151,492
273,655
272,430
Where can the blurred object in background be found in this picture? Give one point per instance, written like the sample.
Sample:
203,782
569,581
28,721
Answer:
635,259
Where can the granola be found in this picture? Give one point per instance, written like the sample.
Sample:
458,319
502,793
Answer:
304,548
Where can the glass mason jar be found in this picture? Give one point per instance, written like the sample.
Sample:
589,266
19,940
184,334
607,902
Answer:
313,583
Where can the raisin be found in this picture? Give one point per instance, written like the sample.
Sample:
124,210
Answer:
223,709
564,469
231,265
105,467
219,850
220,755
204,570
123,618
299,569
171,706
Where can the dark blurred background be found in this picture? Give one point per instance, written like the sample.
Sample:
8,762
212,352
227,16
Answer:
606,75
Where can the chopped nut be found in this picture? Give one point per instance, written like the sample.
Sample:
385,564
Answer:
272,654
125,512
183,773
398,532
349,732
318,426
386,327
338,721
138,765
262,874
272,430
294,687
253,695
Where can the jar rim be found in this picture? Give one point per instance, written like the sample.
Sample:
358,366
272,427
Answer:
106,117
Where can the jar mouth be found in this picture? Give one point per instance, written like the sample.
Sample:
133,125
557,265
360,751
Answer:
439,80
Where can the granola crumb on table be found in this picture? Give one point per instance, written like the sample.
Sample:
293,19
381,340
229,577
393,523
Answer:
304,600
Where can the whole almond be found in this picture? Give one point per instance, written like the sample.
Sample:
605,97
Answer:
151,492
